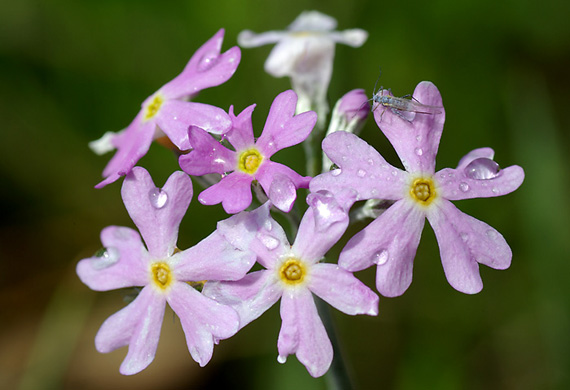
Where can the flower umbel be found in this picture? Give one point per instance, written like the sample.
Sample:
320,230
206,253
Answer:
391,240
167,111
163,272
305,53
294,273
251,159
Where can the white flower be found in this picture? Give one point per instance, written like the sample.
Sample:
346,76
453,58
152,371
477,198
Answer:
305,52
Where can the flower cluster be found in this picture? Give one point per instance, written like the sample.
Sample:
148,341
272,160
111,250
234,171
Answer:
210,286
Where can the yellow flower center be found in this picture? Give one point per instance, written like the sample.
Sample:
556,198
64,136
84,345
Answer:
423,191
249,161
153,107
161,275
292,271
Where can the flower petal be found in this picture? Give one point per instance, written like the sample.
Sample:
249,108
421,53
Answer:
353,37
390,241
313,21
250,296
463,242
302,332
203,320
241,133
362,169
280,183
233,191
313,241
455,184
475,154
207,68
415,141
157,212
208,155
213,258
282,129
342,290
124,263
132,144
256,230
248,38
138,326
176,116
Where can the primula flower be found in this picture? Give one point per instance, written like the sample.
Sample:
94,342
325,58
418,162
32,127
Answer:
294,274
391,240
163,272
251,159
305,52
166,112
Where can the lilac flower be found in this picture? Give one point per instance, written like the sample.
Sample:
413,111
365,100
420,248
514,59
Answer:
305,52
391,240
294,273
166,112
162,270
251,159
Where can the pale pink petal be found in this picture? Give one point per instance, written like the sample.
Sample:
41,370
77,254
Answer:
416,142
361,168
207,68
313,241
157,212
203,320
123,264
175,117
455,184
213,258
132,144
390,241
233,191
284,56
257,231
282,129
208,155
241,133
138,326
250,296
463,243
248,38
342,290
302,333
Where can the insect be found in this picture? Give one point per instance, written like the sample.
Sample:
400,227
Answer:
402,106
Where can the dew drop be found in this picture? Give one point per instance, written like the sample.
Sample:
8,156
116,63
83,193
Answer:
268,225
370,161
105,258
492,234
418,138
394,173
361,173
158,198
464,187
336,172
207,61
270,242
482,169
495,190
419,151
464,236
381,257
344,158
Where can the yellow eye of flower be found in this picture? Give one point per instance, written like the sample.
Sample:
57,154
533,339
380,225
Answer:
293,271
161,275
249,161
153,107
423,191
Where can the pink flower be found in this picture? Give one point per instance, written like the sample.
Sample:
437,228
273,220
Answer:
163,272
293,274
251,159
166,112
391,240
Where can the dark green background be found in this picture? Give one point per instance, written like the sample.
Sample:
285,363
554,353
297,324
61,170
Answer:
71,70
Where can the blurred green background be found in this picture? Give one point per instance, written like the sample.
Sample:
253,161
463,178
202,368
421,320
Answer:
71,70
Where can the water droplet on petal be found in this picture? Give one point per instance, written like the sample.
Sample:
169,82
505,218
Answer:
336,172
268,225
464,236
207,61
419,151
492,234
381,257
270,242
158,198
418,138
361,173
482,169
281,359
105,258
344,158
464,187
370,161
495,190
394,173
